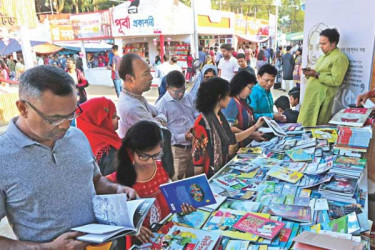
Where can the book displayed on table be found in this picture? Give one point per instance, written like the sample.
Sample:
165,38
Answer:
116,216
258,225
194,219
194,191
290,212
285,174
355,117
276,129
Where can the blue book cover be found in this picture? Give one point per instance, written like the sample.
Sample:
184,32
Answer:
194,191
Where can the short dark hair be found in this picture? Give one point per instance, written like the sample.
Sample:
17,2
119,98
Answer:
300,50
295,92
240,81
267,68
282,103
174,59
175,79
126,65
288,48
332,34
226,46
115,47
200,48
211,48
210,93
241,55
35,81
209,70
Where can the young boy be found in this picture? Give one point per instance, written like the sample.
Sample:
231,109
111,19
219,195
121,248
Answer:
241,59
294,98
283,106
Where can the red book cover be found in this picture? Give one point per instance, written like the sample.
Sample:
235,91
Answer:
258,225
356,111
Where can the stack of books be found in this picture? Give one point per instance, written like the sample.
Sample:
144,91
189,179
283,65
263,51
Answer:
349,167
353,139
340,188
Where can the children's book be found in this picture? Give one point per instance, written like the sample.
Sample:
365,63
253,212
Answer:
223,220
351,160
339,225
164,242
290,212
206,240
244,168
194,191
194,220
339,185
246,206
276,129
298,155
313,180
285,174
219,200
237,245
258,225
242,194
116,216
250,151
355,117
329,134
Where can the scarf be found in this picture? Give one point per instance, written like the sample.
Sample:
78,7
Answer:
221,137
96,123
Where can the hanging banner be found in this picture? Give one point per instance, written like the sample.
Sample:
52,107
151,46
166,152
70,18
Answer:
251,26
356,41
17,13
94,25
61,27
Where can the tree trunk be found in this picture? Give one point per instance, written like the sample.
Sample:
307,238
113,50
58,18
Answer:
60,5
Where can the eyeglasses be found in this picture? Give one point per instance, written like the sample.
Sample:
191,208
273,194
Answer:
179,91
55,122
146,157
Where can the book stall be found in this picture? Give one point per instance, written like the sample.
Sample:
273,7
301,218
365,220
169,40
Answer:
306,188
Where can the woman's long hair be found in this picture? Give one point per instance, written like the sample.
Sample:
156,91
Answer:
142,136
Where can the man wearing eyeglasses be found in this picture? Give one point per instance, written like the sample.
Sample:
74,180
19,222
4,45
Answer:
180,112
48,173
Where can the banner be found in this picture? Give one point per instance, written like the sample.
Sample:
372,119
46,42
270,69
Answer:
61,27
91,25
17,13
356,41
251,26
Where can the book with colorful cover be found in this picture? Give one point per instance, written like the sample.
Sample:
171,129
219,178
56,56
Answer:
285,174
339,185
219,200
329,134
258,225
285,234
162,241
250,150
194,219
290,212
194,191
351,160
237,245
298,155
313,180
276,129
242,194
206,240
223,220
244,168
355,117
339,225
246,206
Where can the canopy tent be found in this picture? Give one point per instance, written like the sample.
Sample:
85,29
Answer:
254,38
14,46
294,36
46,49
89,46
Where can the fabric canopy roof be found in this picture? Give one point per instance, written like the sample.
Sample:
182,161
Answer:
89,47
294,36
254,38
46,49
14,46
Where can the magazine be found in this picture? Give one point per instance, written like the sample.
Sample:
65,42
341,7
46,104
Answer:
290,212
194,191
276,129
206,240
258,225
285,174
355,117
116,216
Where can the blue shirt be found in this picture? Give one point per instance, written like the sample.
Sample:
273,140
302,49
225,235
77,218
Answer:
181,115
261,101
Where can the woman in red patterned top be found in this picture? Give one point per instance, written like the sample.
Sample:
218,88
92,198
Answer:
139,167
212,132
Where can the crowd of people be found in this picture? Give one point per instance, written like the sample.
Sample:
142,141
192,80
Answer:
68,150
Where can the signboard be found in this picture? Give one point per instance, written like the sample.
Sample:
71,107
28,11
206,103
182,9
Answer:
251,26
91,25
356,41
85,26
17,13
151,17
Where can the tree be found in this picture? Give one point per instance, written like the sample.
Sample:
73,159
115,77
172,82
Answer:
291,16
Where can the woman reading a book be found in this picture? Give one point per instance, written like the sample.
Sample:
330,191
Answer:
212,132
139,166
239,114
99,122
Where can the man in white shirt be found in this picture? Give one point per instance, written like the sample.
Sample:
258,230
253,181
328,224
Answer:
179,109
228,65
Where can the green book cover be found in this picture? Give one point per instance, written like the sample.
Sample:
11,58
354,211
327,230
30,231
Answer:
339,225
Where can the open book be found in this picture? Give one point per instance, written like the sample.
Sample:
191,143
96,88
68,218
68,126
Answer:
355,117
116,217
276,129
